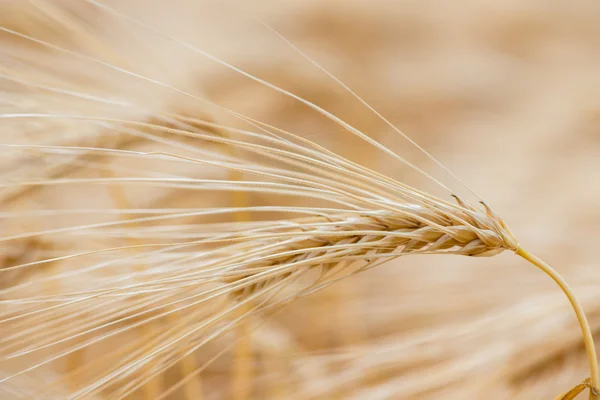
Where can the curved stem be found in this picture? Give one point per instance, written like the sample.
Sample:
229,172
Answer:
581,318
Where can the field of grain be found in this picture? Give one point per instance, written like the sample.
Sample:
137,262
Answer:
505,94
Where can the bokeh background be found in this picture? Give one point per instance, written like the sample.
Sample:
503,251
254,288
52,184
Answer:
505,94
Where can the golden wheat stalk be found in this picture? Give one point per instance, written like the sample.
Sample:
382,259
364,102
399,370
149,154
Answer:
202,275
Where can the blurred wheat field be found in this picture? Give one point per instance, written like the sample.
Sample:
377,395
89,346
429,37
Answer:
506,95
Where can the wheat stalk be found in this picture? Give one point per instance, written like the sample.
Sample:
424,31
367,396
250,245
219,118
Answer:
206,278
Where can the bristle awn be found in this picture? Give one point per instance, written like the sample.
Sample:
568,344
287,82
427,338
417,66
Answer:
194,97
354,94
214,319
155,386
244,301
128,72
252,122
281,155
313,106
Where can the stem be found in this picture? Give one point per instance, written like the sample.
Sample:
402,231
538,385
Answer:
581,318
241,385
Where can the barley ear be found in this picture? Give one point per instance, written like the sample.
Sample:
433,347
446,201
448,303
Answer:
583,323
